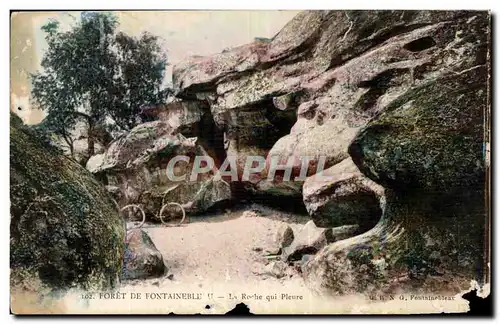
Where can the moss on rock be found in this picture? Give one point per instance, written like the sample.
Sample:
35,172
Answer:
430,138
65,229
427,151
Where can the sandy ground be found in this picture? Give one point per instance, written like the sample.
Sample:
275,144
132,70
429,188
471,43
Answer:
212,263
224,247
221,259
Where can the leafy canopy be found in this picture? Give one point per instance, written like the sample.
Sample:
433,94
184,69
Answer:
93,72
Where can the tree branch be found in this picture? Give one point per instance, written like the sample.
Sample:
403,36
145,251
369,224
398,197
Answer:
89,119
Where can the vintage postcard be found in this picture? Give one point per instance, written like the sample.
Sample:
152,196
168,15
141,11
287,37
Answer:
263,162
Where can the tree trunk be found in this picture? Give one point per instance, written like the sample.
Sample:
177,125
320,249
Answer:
69,141
90,143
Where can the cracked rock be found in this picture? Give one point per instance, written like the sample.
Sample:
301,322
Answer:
311,239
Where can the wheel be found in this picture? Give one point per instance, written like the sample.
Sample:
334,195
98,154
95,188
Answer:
142,213
172,204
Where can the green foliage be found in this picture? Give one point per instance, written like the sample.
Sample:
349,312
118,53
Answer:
92,72
142,66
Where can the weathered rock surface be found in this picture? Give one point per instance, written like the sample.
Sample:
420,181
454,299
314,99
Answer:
428,139
274,193
401,92
65,231
138,164
252,131
335,69
141,144
278,269
310,239
427,151
284,236
196,196
181,116
279,189
141,259
341,195
191,119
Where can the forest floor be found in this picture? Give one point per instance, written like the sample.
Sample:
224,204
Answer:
216,263
223,255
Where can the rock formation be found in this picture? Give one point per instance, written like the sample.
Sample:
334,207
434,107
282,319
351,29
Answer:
141,259
65,231
137,163
310,239
335,70
427,151
284,237
341,195
402,93
389,106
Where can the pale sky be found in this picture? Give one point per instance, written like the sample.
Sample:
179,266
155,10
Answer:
182,33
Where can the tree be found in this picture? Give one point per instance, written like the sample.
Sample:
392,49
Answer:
142,67
52,128
93,73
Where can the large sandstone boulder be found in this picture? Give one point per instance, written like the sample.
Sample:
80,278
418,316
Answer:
404,93
427,151
411,48
191,119
402,73
138,162
142,260
335,70
141,144
182,116
341,195
65,231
